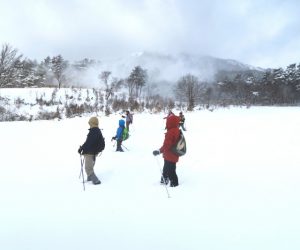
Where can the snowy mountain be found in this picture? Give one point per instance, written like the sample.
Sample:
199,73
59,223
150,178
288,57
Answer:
163,67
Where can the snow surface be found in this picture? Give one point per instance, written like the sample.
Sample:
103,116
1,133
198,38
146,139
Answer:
23,101
239,185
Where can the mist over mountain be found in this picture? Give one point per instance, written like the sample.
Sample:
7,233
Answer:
169,68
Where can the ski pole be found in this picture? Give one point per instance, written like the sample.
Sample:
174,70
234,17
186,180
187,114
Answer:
163,178
81,172
125,147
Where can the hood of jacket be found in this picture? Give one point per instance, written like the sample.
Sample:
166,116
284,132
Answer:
172,122
121,123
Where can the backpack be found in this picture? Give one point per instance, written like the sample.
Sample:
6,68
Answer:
179,148
125,134
100,145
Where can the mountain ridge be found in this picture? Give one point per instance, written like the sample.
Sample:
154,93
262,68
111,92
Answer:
167,67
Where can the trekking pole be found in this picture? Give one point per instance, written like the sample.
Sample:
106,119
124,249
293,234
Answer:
166,185
81,167
81,172
124,147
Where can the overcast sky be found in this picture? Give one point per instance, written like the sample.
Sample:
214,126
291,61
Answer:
263,33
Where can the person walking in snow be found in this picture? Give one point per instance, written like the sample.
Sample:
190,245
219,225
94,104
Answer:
182,120
90,149
170,113
129,119
170,159
119,135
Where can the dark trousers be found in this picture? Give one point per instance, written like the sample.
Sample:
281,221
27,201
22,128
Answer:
127,125
169,171
181,125
119,143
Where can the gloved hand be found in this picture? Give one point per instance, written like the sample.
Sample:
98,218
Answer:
156,152
80,150
113,138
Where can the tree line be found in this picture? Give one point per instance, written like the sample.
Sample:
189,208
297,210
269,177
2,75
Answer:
267,87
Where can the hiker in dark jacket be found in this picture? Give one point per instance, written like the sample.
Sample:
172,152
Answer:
182,120
129,119
170,159
89,149
119,135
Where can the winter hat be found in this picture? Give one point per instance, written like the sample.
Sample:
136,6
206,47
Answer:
93,122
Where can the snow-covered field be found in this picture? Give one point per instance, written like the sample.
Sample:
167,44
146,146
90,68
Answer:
29,102
239,185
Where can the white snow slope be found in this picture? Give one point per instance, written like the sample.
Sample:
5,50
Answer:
239,185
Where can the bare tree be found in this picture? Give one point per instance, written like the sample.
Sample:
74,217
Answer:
104,77
110,87
150,90
189,89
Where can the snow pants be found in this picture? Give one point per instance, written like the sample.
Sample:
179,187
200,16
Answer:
119,145
169,171
90,161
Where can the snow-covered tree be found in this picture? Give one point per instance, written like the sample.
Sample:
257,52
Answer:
58,67
27,76
297,78
10,63
136,81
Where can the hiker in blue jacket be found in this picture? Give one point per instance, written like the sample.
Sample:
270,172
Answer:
119,136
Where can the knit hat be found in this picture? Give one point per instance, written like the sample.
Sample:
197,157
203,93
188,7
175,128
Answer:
93,122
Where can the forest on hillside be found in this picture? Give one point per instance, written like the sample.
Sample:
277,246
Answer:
280,86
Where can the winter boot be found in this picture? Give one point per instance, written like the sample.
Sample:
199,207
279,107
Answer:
164,181
119,148
94,179
173,184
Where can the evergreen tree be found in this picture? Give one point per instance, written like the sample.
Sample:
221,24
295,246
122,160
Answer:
136,81
58,67
10,63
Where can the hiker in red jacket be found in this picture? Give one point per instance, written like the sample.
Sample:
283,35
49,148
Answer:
170,159
170,113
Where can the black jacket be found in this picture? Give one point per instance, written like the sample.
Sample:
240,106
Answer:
92,140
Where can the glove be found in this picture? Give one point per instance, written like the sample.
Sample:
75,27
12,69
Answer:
156,152
113,138
80,150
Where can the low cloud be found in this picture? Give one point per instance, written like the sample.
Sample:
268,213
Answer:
261,33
